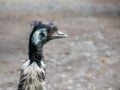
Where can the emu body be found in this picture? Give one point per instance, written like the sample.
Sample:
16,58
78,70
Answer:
32,76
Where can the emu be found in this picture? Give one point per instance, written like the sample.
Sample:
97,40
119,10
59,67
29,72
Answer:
33,73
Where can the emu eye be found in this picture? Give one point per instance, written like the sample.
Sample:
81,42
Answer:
51,33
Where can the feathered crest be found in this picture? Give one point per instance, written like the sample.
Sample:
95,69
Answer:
38,24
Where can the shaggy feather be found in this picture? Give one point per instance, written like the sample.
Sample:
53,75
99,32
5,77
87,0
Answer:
32,77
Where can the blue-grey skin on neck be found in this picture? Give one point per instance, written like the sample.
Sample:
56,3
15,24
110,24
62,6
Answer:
37,38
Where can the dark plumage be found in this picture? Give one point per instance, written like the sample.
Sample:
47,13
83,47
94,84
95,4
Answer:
32,76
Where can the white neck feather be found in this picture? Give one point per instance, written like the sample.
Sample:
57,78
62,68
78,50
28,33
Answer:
32,76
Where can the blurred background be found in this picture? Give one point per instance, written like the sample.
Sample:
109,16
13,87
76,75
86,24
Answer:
89,59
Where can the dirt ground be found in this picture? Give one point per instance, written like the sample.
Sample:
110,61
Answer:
89,59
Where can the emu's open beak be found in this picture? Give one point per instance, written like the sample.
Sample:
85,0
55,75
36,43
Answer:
59,34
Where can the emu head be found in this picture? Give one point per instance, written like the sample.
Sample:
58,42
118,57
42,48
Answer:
43,33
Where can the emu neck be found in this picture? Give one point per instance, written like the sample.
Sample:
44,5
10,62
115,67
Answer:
35,53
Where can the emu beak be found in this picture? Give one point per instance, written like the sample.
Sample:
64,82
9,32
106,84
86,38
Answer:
59,34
